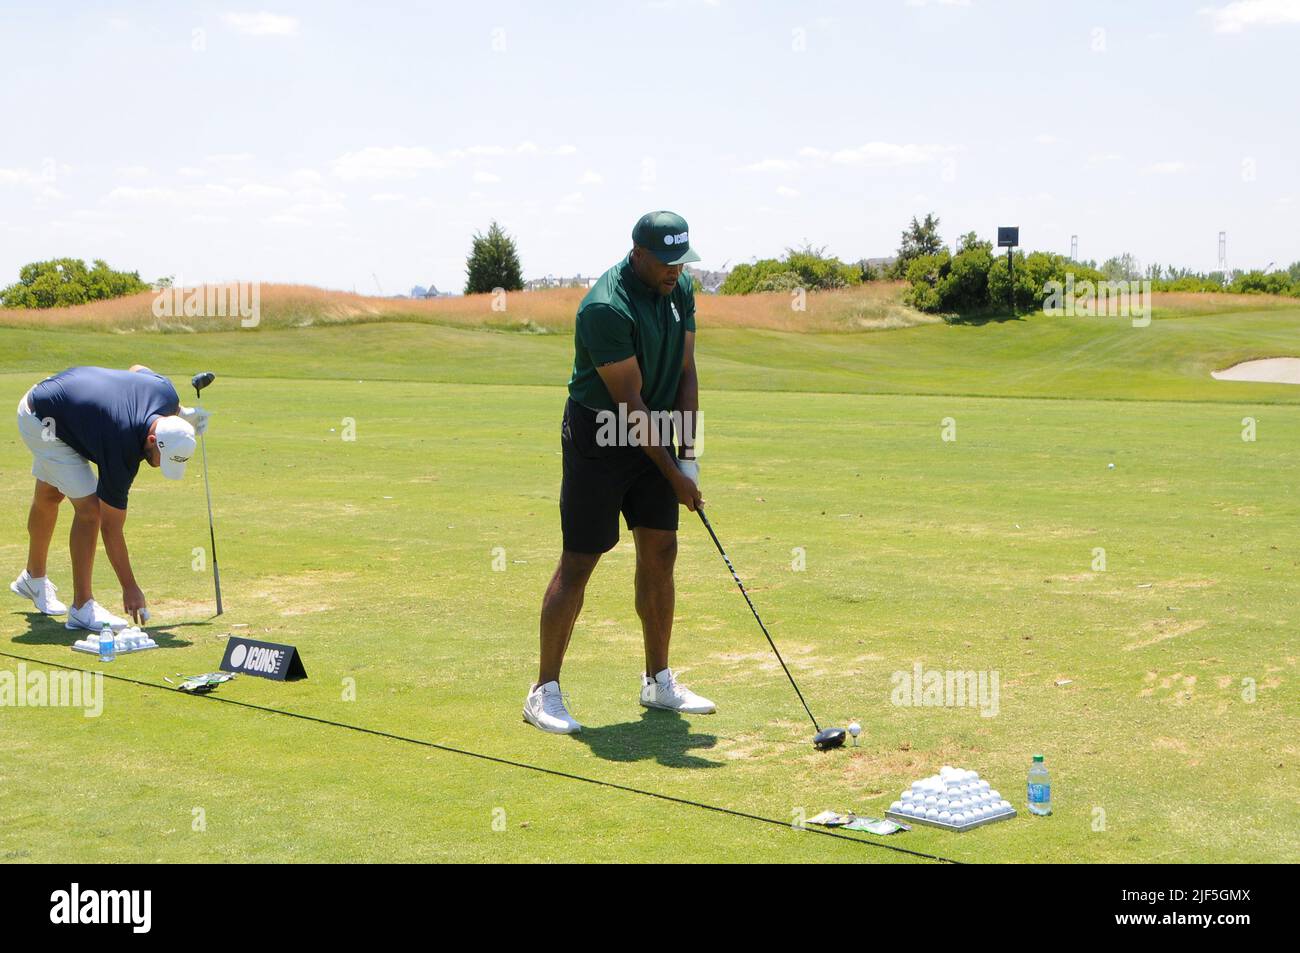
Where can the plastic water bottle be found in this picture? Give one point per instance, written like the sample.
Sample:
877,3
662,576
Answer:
1040,788
107,644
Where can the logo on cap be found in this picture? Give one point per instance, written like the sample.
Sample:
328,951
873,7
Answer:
681,238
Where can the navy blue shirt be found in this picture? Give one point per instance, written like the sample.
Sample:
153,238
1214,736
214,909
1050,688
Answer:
105,416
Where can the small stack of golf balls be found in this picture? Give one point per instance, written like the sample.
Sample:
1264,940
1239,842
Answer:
955,799
133,639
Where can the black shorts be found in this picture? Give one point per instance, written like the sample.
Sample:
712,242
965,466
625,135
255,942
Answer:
601,482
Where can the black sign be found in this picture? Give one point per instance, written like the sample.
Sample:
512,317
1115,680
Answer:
263,659
1008,236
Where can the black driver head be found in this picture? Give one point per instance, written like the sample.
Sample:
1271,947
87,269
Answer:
829,738
202,380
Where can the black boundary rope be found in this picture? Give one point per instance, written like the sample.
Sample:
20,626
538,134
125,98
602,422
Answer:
494,759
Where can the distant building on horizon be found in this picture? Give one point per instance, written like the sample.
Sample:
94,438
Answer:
419,291
550,281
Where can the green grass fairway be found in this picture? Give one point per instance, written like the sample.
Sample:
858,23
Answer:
375,557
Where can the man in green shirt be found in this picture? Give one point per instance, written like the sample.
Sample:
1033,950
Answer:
633,367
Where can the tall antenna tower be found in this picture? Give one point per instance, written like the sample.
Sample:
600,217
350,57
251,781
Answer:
1223,253
1074,248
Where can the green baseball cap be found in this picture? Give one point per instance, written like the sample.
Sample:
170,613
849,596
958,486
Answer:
666,235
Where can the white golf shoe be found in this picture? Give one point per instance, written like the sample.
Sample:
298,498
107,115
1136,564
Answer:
544,708
664,691
92,616
40,591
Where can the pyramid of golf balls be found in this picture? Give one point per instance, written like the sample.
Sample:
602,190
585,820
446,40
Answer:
133,639
954,798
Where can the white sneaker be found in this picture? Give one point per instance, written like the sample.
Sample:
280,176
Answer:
40,591
544,709
92,616
664,691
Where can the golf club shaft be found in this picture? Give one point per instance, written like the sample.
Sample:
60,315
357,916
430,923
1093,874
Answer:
212,532
741,585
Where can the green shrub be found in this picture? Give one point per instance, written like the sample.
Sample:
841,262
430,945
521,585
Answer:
63,282
812,269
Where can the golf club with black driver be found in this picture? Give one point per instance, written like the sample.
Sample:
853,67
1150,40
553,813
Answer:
201,381
826,738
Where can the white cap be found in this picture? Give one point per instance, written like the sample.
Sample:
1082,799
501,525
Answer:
175,445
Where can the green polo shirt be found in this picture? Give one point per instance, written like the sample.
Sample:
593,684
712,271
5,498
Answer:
620,318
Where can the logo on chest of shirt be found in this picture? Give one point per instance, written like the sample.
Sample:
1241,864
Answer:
676,317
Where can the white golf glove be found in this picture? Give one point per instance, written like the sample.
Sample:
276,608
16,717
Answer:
196,417
691,468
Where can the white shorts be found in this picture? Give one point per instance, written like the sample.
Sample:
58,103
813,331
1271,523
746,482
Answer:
53,461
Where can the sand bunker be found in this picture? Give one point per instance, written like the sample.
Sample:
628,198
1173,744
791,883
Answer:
1271,370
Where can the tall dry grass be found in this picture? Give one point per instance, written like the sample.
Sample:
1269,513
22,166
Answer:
873,306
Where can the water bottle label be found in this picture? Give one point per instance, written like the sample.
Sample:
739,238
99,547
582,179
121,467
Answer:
1040,793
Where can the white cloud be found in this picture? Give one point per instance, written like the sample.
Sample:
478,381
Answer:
262,23
938,3
570,204
130,193
395,162
565,150
1172,167
890,154
771,165
388,197
284,219
480,151
256,190
786,192
485,178
306,177
1236,17
1046,139
591,177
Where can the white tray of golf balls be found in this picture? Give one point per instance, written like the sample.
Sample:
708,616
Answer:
125,640
955,799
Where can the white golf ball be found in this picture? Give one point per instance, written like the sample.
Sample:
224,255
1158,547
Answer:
961,817
945,815
995,795
896,806
931,801
855,729
931,814
1004,805
943,802
982,785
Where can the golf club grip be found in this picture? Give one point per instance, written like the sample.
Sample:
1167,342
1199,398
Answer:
757,618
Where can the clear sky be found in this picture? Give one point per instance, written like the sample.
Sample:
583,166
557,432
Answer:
332,143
